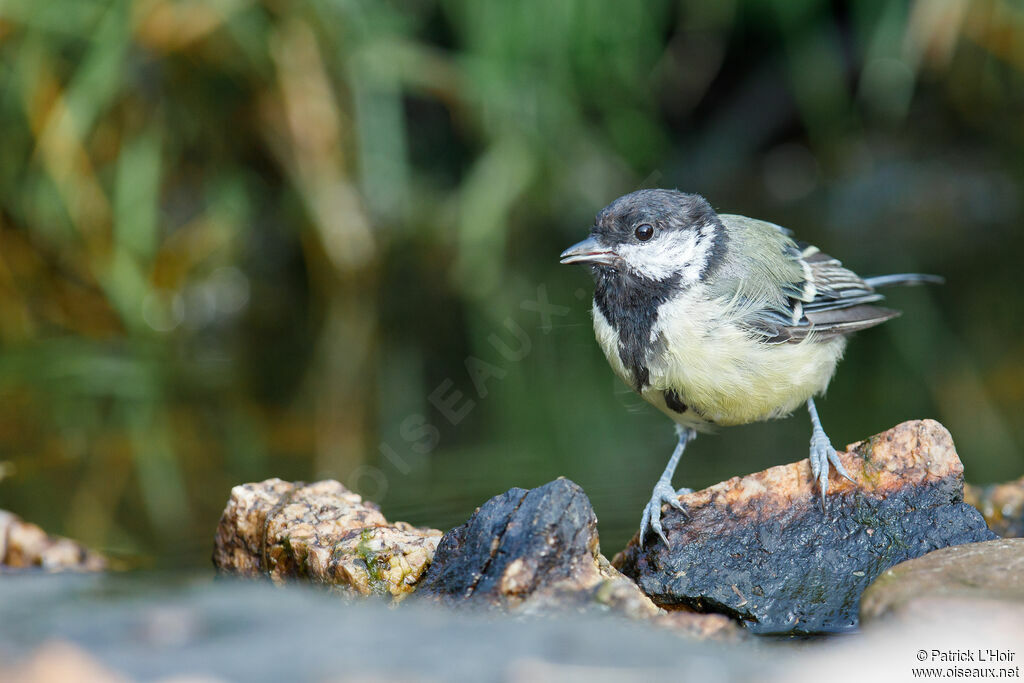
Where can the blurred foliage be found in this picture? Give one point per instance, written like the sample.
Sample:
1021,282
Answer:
244,238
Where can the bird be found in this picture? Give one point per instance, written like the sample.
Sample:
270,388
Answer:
718,319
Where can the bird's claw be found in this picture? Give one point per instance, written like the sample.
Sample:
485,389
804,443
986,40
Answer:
651,519
823,454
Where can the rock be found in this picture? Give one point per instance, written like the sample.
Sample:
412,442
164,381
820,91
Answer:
760,549
148,628
531,550
1001,504
24,546
151,627
989,576
700,626
54,662
321,532
967,641
537,552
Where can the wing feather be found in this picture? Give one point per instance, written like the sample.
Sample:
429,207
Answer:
818,296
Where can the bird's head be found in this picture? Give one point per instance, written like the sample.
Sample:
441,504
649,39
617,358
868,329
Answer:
654,234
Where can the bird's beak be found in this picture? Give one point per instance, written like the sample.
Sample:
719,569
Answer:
588,251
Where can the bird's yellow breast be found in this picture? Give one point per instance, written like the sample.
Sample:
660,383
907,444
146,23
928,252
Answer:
718,369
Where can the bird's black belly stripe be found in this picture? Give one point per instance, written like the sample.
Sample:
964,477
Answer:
672,401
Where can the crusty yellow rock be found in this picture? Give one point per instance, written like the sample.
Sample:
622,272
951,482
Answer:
320,532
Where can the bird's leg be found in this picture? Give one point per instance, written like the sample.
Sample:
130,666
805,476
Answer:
663,491
822,453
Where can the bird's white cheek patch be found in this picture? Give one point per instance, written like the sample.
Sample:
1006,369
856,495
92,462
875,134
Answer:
677,252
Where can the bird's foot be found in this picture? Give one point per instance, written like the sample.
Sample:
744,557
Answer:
663,493
823,453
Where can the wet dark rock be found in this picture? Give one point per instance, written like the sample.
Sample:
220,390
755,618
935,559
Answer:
323,533
537,552
1002,505
760,549
987,576
530,549
26,546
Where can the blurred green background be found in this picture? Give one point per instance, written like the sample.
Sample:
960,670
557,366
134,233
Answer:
243,238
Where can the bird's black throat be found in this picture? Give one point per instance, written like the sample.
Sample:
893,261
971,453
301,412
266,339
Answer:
629,302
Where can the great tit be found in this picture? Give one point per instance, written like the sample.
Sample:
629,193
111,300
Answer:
719,319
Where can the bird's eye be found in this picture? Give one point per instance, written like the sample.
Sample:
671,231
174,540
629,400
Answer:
644,232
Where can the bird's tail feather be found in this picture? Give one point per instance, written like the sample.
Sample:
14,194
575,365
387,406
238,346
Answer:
905,279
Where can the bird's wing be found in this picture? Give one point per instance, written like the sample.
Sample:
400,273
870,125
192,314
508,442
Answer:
788,290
